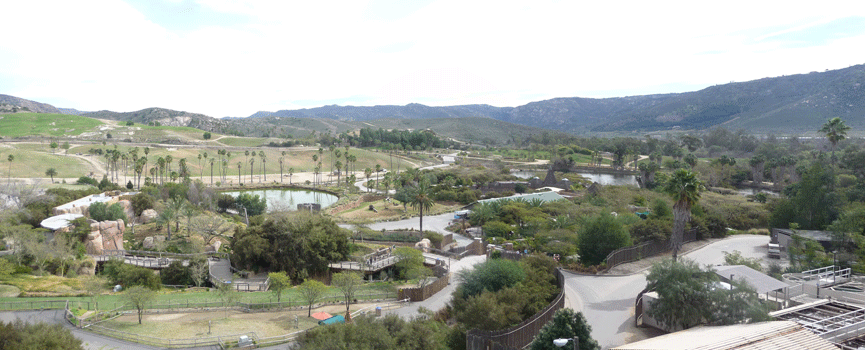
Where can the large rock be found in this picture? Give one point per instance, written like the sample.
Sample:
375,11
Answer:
214,247
105,235
153,242
148,216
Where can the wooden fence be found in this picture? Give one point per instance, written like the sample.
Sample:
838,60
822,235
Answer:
521,335
421,294
644,250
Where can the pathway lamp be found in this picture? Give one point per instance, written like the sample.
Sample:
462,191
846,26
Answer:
561,342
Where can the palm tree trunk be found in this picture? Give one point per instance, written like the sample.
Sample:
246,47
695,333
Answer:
680,215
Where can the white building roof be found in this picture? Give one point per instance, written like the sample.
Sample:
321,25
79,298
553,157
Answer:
758,336
57,222
761,282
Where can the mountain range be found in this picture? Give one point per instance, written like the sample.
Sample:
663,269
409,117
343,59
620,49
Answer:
793,104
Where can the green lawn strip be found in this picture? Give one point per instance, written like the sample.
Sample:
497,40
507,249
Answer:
45,124
34,164
180,299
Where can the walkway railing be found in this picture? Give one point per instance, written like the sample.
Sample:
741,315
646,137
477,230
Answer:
644,250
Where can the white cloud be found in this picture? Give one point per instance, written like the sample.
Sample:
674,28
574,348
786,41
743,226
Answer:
106,54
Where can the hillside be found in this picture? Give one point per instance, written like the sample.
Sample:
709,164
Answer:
165,117
788,104
12,104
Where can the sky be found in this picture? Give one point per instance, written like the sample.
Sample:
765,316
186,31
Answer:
234,58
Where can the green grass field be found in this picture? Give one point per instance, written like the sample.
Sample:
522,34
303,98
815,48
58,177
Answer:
33,164
43,124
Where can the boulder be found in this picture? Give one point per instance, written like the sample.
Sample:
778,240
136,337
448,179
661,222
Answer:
214,247
94,243
148,216
105,235
153,242
424,244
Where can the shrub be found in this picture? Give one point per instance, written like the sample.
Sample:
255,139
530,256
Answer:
129,275
497,229
86,180
176,274
101,212
600,236
141,202
254,204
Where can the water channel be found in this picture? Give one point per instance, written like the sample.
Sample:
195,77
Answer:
288,199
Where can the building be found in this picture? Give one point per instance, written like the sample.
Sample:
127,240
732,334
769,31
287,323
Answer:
758,336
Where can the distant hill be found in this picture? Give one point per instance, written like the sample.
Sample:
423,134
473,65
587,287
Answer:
788,104
166,117
12,104
71,111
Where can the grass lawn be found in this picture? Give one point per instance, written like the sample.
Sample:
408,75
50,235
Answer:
34,164
70,289
44,124
244,141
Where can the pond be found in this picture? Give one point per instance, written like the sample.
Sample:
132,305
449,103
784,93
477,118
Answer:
288,199
603,179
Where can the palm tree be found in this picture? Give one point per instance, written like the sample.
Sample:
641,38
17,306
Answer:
51,172
368,173
377,171
10,158
835,131
212,161
421,198
239,164
280,169
685,189
251,168
263,166
290,174
315,173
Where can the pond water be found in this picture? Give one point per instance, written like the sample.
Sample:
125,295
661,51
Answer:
751,191
288,199
603,179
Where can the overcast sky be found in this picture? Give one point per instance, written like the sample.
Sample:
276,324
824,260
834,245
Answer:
233,58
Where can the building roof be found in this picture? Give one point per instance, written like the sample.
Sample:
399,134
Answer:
758,336
820,236
544,196
57,222
760,281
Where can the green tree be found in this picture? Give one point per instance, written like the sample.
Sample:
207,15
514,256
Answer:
139,297
54,146
491,275
685,189
52,173
279,282
207,135
176,274
254,204
408,259
347,283
228,295
600,236
835,131
10,158
311,291
422,199
565,324
689,296
22,335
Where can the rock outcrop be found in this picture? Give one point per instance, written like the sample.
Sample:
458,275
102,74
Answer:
148,216
105,235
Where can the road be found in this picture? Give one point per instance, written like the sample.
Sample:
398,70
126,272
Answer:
443,297
608,301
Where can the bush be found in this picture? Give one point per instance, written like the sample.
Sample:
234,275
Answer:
128,275
254,204
100,212
86,180
176,274
497,229
141,202
600,236
651,229
224,202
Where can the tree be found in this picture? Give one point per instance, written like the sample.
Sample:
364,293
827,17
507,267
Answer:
835,131
10,158
52,173
422,199
207,135
23,335
311,291
600,236
688,296
491,275
227,294
347,283
198,271
54,146
685,189
65,147
565,324
279,282
408,260
139,297
93,286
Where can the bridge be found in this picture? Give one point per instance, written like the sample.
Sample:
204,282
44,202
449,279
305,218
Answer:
375,265
219,266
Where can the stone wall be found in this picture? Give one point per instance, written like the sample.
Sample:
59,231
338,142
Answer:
105,235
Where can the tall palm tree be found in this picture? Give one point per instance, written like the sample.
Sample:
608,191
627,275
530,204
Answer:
51,172
315,173
263,166
421,198
280,169
685,189
239,164
212,162
835,130
290,174
251,168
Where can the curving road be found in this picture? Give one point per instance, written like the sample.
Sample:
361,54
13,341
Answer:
608,301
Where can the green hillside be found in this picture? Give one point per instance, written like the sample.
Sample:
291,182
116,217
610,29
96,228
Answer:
43,124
